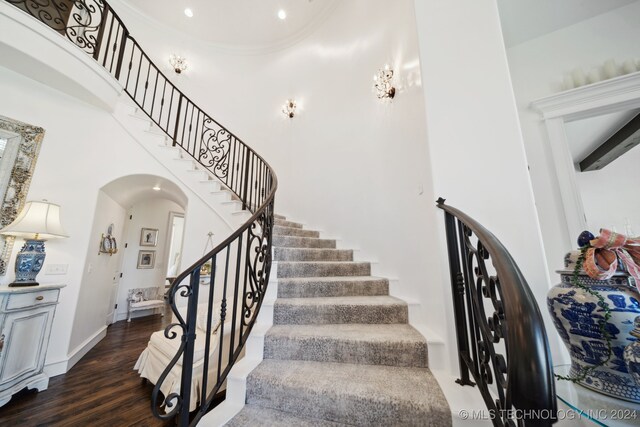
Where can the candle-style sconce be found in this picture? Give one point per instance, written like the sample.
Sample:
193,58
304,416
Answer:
289,108
382,83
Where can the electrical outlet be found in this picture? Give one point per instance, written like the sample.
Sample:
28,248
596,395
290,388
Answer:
56,269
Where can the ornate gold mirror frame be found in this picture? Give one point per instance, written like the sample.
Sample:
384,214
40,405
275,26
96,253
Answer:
21,144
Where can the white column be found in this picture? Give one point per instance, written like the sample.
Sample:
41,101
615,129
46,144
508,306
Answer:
476,148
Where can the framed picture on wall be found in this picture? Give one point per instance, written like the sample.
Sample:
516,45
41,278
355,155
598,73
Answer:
149,237
146,259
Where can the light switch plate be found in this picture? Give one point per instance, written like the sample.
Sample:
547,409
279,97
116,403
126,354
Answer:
54,269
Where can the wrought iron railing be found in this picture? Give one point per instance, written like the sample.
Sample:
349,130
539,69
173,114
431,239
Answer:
234,274
500,333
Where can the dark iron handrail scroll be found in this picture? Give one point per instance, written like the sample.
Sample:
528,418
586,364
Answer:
500,333
217,299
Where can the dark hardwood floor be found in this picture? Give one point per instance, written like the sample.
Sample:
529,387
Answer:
100,390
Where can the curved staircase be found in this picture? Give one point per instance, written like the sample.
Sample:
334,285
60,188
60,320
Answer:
340,350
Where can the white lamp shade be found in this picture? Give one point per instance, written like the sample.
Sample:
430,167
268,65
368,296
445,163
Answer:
41,218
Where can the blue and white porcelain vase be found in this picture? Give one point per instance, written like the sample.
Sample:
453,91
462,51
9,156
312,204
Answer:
577,314
632,353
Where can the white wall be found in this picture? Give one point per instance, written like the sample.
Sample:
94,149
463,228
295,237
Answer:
152,213
537,70
476,150
348,163
610,195
100,272
83,149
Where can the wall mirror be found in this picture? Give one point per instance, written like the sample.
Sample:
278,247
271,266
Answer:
19,147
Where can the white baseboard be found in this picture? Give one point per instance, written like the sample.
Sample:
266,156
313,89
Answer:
54,369
62,367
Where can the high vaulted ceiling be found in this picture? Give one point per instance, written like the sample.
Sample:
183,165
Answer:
238,23
255,23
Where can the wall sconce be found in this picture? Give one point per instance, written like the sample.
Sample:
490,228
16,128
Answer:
178,63
289,108
382,83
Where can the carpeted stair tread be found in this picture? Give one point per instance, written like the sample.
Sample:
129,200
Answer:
312,254
392,345
302,242
285,223
349,393
332,286
334,310
323,268
252,415
282,217
279,230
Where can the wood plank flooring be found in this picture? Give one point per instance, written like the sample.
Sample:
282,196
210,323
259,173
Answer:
100,390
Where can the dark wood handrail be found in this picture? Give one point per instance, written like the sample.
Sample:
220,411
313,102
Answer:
530,385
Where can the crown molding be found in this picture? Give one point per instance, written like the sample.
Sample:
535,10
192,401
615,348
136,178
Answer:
611,95
239,49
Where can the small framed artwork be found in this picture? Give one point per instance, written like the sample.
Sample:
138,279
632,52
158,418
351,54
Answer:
146,259
149,237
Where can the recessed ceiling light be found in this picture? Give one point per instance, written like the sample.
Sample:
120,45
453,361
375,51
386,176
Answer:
188,12
156,188
282,14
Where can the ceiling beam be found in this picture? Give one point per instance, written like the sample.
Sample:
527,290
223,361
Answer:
618,144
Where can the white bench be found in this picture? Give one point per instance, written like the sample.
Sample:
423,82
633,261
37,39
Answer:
145,299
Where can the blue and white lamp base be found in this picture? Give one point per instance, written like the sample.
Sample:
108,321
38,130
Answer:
29,262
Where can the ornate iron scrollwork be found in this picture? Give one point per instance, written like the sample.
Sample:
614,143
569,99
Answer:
486,299
493,297
258,263
214,151
172,400
78,20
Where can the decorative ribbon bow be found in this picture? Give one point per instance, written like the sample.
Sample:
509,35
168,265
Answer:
611,247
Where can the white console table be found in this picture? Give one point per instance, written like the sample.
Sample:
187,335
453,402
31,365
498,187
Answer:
26,316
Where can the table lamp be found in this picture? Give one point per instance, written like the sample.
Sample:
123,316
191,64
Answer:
37,222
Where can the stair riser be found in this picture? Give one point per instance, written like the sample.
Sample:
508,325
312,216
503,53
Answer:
310,269
302,242
288,231
285,223
325,349
298,254
288,314
332,289
340,407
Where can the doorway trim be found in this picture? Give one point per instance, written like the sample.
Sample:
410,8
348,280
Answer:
609,96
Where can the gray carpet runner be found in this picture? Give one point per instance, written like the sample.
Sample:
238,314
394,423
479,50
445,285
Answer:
341,351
